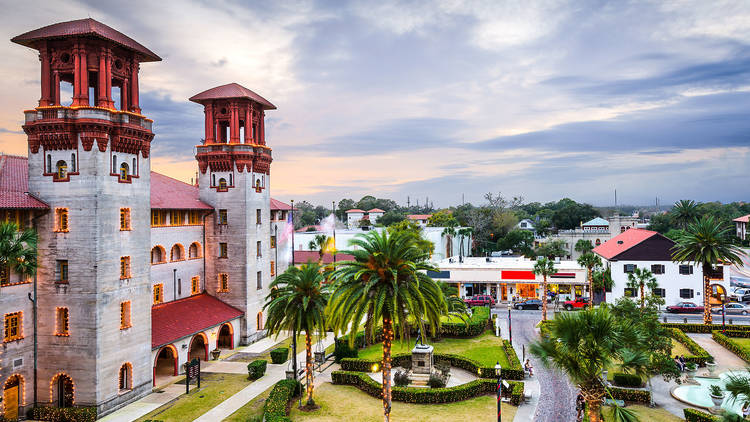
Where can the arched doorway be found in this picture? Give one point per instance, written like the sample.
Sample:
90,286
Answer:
166,363
13,396
62,391
259,321
126,377
225,339
198,347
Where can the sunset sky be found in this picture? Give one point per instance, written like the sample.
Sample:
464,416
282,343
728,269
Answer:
438,99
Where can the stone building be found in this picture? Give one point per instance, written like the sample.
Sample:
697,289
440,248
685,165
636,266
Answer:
138,272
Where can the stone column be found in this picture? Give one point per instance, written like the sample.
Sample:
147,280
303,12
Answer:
248,125
84,76
234,124
124,97
110,103
56,79
209,116
44,58
134,100
262,126
102,88
76,76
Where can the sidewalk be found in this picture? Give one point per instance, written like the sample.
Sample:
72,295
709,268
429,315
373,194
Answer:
145,405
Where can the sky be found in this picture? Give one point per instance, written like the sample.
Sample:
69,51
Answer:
445,100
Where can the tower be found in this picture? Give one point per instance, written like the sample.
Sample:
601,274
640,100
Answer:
234,178
89,160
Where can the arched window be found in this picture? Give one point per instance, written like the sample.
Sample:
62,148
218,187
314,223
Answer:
157,255
259,320
73,162
126,377
124,171
213,180
231,182
222,184
134,166
194,251
177,253
13,396
62,390
49,163
114,164
61,169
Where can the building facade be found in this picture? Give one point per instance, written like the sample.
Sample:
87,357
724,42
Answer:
740,225
598,231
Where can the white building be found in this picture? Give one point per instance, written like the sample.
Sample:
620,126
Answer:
639,248
420,219
353,216
741,225
597,230
525,224
375,214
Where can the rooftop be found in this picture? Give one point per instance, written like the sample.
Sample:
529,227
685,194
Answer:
376,210
480,262
169,193
278,205
14,184
354,210
233,90
419,216
622,242
598,221
174,320
743,219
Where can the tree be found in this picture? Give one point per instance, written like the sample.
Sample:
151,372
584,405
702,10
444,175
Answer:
661,223
343,206
391,217
706,242
583,246
545,268
684,212
449,233
519,241
442,218
639,279
551,249
569,214
590,260
319,242
415,231
17,250
542,227
582,344
297,302
463,233
503,222
387,276
738,387
365,222
603,279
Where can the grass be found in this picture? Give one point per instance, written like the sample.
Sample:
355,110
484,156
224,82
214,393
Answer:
646,413
485,349
215,388
744,342
347,403
679,349
253,408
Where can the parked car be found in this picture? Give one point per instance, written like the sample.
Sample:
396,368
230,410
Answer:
528,304
732,309
480,300
580,303
685,308
740,295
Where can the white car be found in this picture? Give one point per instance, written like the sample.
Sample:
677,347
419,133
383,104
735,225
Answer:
740,295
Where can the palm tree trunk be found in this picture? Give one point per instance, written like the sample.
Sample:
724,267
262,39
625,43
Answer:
309,368
594,395
642,297
706,294
387,341
595,410
591,288
544,297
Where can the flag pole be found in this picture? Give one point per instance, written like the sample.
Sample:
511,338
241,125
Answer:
334,230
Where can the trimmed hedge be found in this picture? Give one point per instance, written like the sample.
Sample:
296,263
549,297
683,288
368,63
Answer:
428,395
726,341
627,394
702,328
736,333
699,355
63,414
256,369
692,415
279,355
626,380
275,408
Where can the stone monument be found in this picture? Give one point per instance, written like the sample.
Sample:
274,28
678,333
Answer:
421,364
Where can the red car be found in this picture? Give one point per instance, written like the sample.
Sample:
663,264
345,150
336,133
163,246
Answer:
685,308
480,300
580,303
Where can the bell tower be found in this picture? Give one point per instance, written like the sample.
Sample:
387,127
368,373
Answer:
88,159
234,178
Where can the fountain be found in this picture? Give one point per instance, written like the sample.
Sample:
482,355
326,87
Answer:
698,393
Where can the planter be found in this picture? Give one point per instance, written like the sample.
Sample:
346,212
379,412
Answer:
215,354
711,366
718,400
320,357
691,373
289,374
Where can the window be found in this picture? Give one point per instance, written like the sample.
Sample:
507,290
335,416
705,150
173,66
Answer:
114,164
223,282
73,162
259,281
177,253
125,315
273,268
222,250
660,292
657,269
4,274
62,271
49,164
13,324
61,322
194,251
134,167
273,242
686,269
222,216
598,242
213,180
195,285
158,293
61,170
124,172
126,382
686,293
257,216
124,219
176,218
61,220
222,184
194,217
257,246
629,268
124,267
158,255
158,218
629,292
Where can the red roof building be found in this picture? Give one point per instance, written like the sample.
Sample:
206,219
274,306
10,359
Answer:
14,184
232,90
419,216
181,318
277,205
376,210
354,210
637,244
743,219
169,193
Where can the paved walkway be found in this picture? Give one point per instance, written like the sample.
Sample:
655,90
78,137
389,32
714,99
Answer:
145,405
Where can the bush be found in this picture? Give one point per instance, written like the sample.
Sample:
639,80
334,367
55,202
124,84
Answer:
692,415
64,414
436,381
627,394
275,408
626,380
699,355
734,347
279,355
256,369
401,378
703,328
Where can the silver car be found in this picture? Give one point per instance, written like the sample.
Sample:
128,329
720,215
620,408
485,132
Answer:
732,309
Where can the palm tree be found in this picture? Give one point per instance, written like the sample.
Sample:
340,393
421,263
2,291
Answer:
464,232
454,304
297,302
706,242
17,251
319,242
638,362
387,277
582,344
583,246
639,279
589,260
544,267
449,233
738,387
685,212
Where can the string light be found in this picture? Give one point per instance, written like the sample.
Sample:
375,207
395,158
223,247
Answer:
52,387
21,386
129,371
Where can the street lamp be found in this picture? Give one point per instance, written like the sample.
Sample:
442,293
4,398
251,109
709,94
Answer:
498,373
510,329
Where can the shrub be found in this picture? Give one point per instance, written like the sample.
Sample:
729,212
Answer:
627,394
256,369
515,372
279,355
64,414
692,415
436,381
276,405
626,380
401,378
703,328
734,347
699,355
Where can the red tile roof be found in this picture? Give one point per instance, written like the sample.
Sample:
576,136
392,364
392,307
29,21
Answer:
303,257
14,184
419,216
85,28
169,193
743,219
622,242
174,320
232,90
376,210
354,210
278,205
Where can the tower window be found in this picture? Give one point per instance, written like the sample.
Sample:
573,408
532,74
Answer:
195,285
177,253
259,280
114,164
124,218
222,184
257,245
134,167
61,220
125,321
223,282
158,293
49,163
61,170
158,218
231,182
124,267
223,250
13,324
273,242
176,218
222,216
194,251
158,255
62,271
61,322
124,172
126,377
273,268
73,162
213,180
257,216
194,217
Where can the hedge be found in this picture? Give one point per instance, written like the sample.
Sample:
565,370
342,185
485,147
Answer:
626,380
699,355
63,414
703,328
628,394
726,341
692,415
279,355
275,408
256,369
428,395
736,333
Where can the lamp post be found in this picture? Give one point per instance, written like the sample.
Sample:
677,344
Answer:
498,373
510,330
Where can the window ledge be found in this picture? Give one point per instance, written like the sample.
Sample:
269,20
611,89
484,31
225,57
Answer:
126,327
14,284
62,335
63,282
12,340
62,231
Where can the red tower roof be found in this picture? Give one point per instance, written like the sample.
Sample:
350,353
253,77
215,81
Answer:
85,28
232,90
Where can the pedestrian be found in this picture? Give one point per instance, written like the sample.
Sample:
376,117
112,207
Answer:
679,364
580,406
530,369
746,410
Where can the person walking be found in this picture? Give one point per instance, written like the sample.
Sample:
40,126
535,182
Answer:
580,407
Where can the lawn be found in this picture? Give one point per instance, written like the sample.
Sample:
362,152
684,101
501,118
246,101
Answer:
744,342
251,409
679,349
485,349
215,388
346,403
646,413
